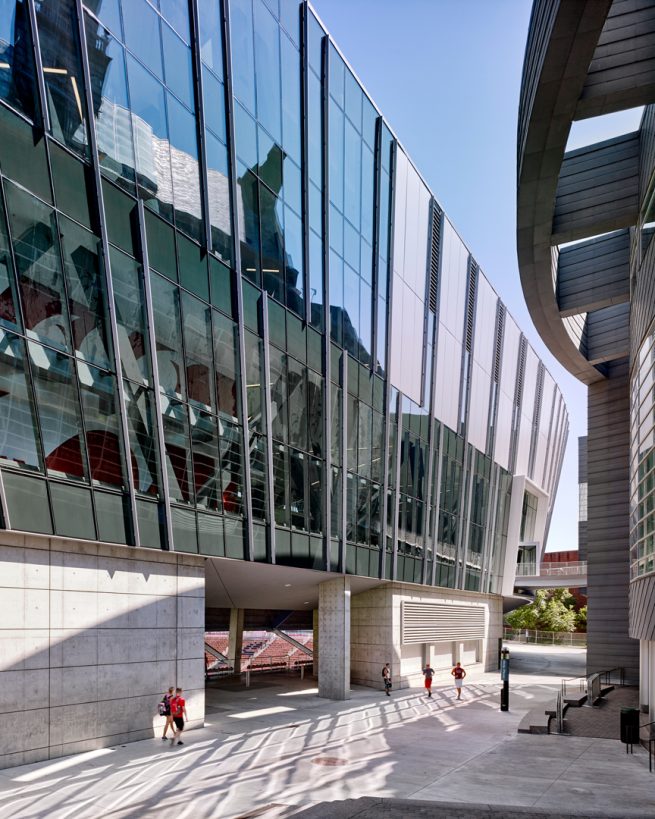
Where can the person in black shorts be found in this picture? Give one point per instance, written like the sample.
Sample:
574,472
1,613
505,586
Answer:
386,676
428,674
178,712
166,702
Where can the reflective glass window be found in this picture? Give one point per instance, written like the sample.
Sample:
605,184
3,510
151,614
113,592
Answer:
218,188
290,18
130,316
267,71
177,14
193,267
211,40
59,412
175,419
249,225
214,104
315,128
281,485
290,98
205,449
108,11
139,406
258,476
186,172
198,351
177,66
314,42
62,69
142,34
297,403
352,173
315,416
336,154
271,244
246,137
226,364
8,314
74,187
150,127
101,425
166,308
316,279
254,381
23,154
112,115
18,436
86,293
279,399
36,249
121,218
298,489
336,76
293,246
160,238
231,467
17,73
241,36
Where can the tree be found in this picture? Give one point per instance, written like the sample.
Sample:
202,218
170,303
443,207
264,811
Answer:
552,610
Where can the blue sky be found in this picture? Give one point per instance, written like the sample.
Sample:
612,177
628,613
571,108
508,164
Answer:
446,74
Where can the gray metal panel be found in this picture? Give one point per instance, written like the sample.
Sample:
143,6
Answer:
594,274
622,72
607,333
608,447
597,190
643,299
642,608
647,158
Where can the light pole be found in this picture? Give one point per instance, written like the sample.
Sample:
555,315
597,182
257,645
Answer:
504,676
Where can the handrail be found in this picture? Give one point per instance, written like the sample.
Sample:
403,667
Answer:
651,744
606,673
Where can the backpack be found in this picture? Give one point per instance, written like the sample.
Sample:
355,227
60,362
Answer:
161,708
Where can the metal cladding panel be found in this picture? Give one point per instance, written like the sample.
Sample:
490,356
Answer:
454,277
483,360
439,622
527,411
506,397
545,429
410,232
478,420
447,380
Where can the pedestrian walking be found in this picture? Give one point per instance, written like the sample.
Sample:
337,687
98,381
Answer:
459,674
428,674
178,712
386,676
165,711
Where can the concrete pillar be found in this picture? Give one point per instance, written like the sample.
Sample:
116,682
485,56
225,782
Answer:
608,525
644,674
334,636
235,643
315,644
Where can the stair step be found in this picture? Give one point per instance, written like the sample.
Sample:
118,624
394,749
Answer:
535,722
575,702
605,691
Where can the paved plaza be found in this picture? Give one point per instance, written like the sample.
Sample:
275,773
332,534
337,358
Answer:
277,750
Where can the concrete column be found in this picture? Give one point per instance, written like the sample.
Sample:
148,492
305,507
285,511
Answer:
315,648
608,525
334,636
235,643
644,673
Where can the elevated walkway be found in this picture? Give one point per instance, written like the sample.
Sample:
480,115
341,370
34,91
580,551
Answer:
551,575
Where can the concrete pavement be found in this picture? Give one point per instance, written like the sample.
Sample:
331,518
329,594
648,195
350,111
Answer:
279,750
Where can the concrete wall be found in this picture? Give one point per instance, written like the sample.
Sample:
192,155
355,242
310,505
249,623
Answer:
90,637
375,634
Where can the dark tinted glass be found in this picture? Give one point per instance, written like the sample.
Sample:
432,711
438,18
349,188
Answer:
18,442
186,173
130,316
9,316
23,155
219,197
139,405
72,511
241,36
142,34
73,183
175,418
267,65
177,66
205,451
226,364
166,307
198,351
17,75
101,425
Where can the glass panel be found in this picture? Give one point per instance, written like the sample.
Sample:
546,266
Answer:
241,37
315,416
254,380
151,528
297,489
352,173
198,351
74,188
142,33
293,246
166,309
214,104
206,463
231,467
17,74
279,401
109,12
160,237
62,69
211,538
246,137
193,267
8,315
290,98
23,154
177,14
315,129
18,435
185,537
130,316
272,244
249,225
211,40
111,517
258,476
36,251
177,67
150,138
101,425
112,116
121,218
297,404
336,154
186,172
226,362
219,197
72,510
175,419
28,503
221,286
86,293
143,437
267,71
59,412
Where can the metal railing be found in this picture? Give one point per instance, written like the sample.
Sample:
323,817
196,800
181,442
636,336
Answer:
651,743
559,714
545,569
609,676
553,638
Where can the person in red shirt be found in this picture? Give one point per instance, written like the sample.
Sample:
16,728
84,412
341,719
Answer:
459,674
179,714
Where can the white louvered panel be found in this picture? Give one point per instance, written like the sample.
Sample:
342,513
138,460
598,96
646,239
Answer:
434,622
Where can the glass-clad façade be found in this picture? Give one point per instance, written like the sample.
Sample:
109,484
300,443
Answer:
234,320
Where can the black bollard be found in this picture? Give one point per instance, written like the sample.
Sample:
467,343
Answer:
504,676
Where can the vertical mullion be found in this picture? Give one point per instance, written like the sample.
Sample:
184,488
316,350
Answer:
36,48
327,335
229,112
109,286
200,117
268,421
152,339
396,500
377,176
344,460
304,150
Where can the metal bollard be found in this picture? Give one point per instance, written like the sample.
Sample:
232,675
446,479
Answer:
302,672
247,678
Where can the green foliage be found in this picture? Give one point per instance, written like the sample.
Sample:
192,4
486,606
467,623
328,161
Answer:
582,619
552,610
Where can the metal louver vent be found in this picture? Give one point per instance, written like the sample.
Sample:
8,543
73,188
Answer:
470,303
435,246
437,622
518,392
498,341
536,419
